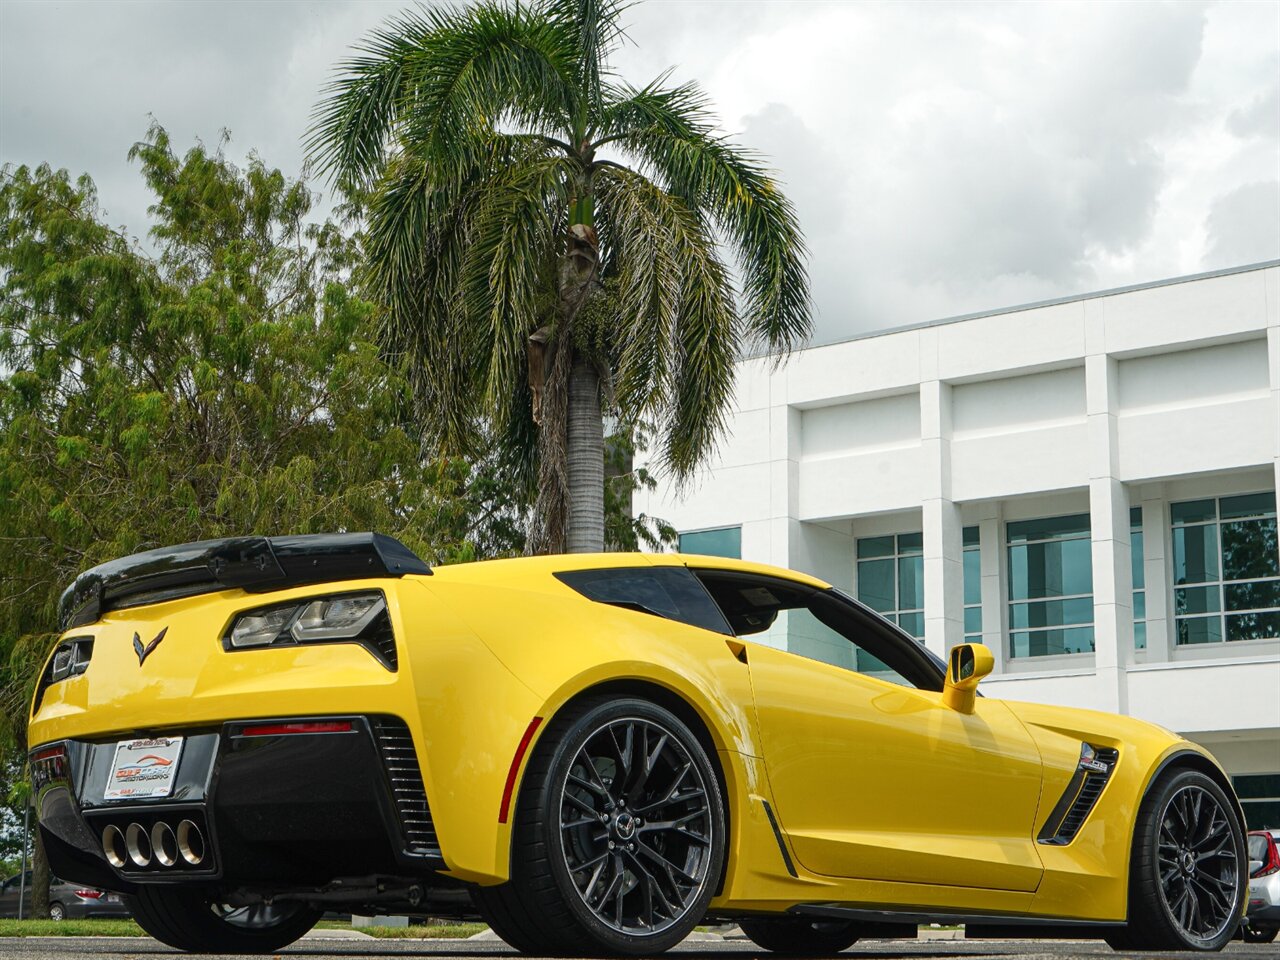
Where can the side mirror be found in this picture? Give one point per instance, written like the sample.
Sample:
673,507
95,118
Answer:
967,665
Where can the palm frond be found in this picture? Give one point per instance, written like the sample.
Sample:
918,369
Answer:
670,134
676,317
435,76
597,33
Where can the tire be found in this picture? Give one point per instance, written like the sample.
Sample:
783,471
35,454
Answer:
1259,934
193,921
588,874
1188,832
796,937
57,911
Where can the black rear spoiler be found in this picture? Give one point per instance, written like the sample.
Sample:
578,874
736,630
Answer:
255,564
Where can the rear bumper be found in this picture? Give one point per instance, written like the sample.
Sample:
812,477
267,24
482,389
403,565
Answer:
274,808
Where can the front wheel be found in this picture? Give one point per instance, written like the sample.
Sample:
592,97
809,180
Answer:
796,937
1187,877
619,835
191,920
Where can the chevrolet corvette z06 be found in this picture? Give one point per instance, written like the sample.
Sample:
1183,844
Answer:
593,753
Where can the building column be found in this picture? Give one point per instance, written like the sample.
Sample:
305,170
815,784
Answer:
1155,574
941,525
991,548
1109,531
1273,354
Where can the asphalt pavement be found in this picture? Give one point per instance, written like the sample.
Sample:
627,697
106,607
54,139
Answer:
132,948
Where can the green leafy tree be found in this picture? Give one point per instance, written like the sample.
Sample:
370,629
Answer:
547,240
220,383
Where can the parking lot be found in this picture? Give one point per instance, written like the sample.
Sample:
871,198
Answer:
109,948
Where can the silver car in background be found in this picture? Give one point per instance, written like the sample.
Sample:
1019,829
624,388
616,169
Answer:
67,901
1263,918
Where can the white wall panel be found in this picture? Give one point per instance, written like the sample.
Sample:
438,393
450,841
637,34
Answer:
1230,695
1018,403
1171,443
1014,464
882,424
1194,377
861,483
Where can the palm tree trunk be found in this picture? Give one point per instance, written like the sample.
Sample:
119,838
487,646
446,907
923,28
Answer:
585,455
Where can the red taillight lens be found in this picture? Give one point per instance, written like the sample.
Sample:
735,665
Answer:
285,729
1272,864
89,894
56,752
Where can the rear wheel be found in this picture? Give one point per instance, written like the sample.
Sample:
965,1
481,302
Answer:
57,911
619,835
193,921
1187,875
797,937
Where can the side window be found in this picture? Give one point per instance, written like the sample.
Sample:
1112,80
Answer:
821,625
670,592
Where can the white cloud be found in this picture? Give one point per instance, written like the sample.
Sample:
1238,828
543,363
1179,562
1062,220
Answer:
944,158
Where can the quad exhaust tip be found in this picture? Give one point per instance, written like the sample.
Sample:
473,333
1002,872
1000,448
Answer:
138,842
190,843
138,847
113,845
164,844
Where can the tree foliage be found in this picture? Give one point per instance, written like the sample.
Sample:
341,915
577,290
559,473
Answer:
222,383
530,214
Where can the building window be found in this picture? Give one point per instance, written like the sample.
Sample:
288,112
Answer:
1139,580
972,586
1259,795
1226,569
1050,586
891,578
724,542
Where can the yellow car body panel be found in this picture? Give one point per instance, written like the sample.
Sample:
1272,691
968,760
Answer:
884,797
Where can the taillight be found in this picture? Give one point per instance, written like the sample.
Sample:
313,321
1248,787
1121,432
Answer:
304,726
89,894
1272,863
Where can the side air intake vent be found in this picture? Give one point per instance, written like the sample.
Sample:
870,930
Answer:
1081,795
395,744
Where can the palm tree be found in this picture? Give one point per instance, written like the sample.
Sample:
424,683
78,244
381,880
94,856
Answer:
546,240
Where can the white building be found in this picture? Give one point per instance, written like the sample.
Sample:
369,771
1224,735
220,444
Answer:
1088,486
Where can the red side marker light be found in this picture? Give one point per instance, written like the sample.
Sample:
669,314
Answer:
285,729
51,753
505,809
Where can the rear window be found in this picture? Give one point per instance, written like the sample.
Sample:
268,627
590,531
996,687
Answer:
1257,847
669,592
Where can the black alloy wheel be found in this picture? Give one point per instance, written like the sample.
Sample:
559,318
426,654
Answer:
800,937
619,836
192,920
635,824
1187,877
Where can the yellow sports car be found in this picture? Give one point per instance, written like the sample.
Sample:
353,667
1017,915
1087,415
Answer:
593,753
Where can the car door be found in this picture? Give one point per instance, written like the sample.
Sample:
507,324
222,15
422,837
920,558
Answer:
9,897
873,777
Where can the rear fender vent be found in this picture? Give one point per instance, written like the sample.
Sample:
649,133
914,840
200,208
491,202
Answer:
400,760
1081,795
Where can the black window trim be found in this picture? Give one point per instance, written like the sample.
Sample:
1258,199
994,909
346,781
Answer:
929,663
577,580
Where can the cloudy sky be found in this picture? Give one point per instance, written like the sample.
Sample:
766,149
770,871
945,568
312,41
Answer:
944,158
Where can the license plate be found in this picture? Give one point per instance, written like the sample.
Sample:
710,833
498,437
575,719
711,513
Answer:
144,768
113,898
